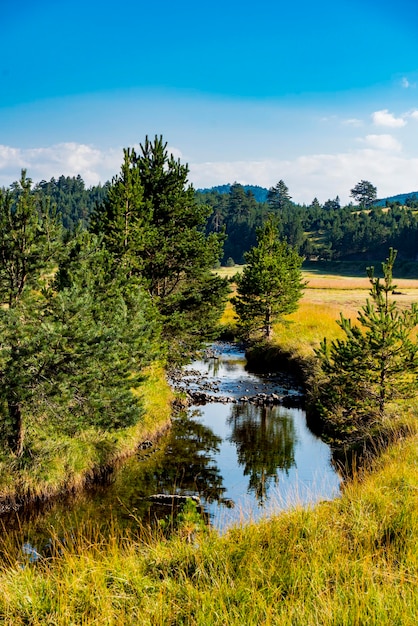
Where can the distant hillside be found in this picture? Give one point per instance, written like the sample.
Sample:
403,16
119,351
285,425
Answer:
259,193
401,198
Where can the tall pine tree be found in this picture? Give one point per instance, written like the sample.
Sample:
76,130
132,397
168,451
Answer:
154,225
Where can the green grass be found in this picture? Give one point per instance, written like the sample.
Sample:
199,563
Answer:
347,562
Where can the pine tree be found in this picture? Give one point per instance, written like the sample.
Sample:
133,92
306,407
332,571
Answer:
278,197
30,243
376,362
168,248
270,284
123,220
74,342
103,331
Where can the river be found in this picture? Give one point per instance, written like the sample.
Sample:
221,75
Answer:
243,453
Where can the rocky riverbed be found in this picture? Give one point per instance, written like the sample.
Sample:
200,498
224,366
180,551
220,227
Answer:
224,382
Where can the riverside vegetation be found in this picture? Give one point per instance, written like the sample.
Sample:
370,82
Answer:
88,318
350,561
70,303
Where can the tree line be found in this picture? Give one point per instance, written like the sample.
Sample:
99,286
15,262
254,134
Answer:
363,230
326,231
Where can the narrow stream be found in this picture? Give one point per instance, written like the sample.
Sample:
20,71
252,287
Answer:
242,452
266,457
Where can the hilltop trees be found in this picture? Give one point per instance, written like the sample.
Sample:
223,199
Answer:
270,284
73,201
365,193
278,197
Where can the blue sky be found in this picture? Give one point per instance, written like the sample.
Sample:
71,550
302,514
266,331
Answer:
320,94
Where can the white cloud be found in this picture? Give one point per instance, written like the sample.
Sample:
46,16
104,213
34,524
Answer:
177,154
382,142
321,175
384,118
69,159
414,114
406,84
353,122
377,159
11,157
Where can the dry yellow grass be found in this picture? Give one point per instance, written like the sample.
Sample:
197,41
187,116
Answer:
323,300
324,281
325,297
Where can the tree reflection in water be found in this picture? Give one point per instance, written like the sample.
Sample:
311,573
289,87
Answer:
189,466
216,367
265,439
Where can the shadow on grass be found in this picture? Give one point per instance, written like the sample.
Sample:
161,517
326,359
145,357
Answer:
357,269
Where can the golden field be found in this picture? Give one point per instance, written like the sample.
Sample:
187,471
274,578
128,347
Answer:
324,298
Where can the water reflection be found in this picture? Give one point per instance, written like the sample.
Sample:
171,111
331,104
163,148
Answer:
265,440
189,466
218,366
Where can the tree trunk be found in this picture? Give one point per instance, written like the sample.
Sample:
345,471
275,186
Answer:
15,439
268,329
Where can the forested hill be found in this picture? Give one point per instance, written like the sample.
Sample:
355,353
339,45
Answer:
401,198
74,202
259,193
318,231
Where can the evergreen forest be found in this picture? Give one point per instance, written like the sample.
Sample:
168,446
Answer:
328,231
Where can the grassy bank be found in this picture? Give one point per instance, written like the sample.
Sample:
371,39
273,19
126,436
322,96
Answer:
67,463
353,561
325,296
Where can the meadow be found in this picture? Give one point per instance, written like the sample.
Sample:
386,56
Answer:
325,297
352,561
